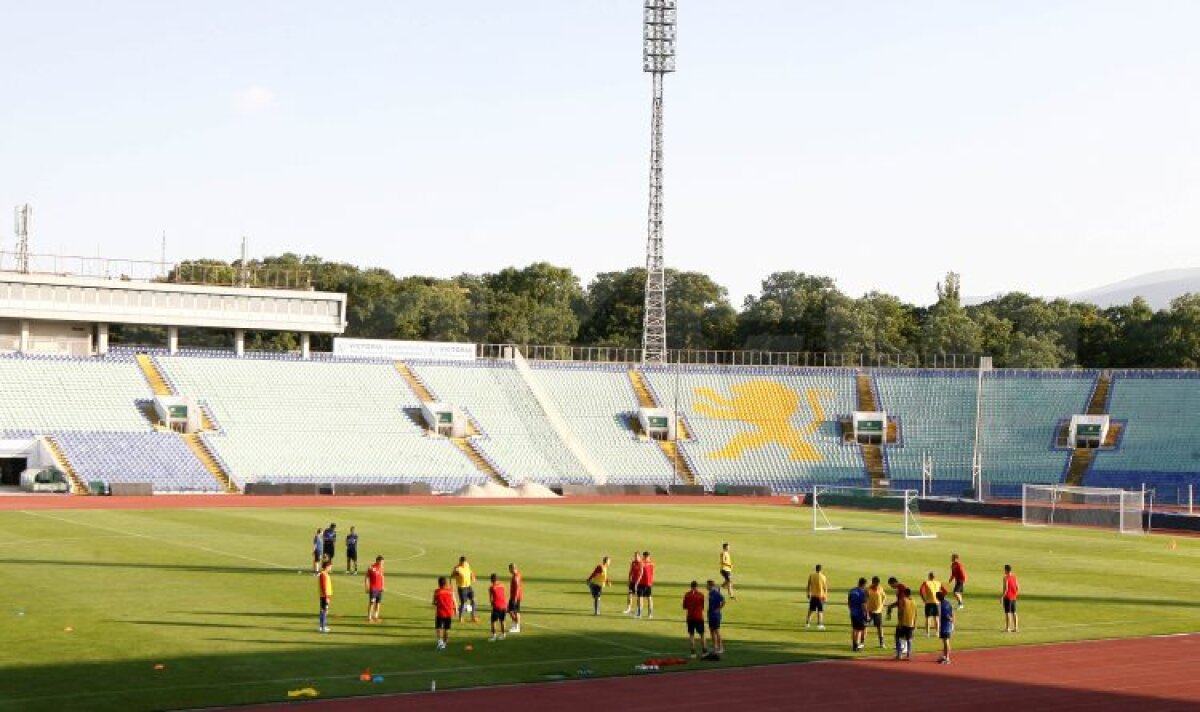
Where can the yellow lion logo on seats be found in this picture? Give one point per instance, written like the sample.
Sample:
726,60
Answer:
770,408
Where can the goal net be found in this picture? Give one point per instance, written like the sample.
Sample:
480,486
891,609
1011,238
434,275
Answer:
901,506
1048,505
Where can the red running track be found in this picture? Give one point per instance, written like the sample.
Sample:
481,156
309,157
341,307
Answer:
1141,674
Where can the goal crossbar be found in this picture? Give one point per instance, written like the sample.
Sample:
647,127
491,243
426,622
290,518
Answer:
1107,507
905,503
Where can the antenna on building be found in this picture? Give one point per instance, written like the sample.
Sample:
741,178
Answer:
22,227
162,262
658,58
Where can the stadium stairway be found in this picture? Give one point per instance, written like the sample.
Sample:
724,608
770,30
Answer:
158,383
160,387
415,383
873,458
1082,458
465,445
200,449
77,485
669,449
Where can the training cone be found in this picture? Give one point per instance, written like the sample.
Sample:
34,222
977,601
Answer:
160,666
68,629
377,679
468,647
365,676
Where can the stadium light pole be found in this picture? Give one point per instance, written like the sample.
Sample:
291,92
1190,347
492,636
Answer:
658,58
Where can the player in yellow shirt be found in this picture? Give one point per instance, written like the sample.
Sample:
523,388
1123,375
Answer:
325,591
464,578
818,592
906,621
727,571
876,603
929,592
597,582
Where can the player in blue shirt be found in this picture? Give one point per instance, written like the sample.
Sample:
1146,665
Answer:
945,625
329,539
857,601
716,607
352,552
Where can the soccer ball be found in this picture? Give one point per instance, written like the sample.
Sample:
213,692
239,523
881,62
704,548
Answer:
795,499
469,608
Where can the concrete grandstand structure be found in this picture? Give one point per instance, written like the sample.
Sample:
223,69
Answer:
179,420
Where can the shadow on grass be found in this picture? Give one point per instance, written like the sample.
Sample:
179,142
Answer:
265,670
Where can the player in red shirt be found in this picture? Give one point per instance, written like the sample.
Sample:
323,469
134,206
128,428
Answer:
516,591
693,603
498,597
1009,590
645,589
635,580
958,577
445,608
373,583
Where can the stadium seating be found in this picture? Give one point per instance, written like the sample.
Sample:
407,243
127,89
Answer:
161,459
71,394
1158,446
763,426
1021,413
936,415
514,434
597,402
298,421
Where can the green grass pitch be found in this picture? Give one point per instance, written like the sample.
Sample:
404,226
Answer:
223,600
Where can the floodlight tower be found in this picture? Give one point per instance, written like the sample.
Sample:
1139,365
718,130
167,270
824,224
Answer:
22,229
658,58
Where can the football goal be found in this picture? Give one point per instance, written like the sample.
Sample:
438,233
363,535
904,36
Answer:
903,506
1048,505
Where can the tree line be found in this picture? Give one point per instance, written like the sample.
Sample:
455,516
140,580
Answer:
543,304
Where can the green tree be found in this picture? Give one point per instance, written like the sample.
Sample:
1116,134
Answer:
792,313
948,329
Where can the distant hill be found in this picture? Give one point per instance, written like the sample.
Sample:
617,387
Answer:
1157,288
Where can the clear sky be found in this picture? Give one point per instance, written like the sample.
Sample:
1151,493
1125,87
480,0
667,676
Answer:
1035,145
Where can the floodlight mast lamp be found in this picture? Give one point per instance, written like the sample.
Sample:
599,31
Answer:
658,58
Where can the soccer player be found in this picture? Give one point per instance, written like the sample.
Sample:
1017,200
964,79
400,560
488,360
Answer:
597,582
727,571
818,592
906,621
373,583
635,580
876,602
958,577
329,542
516,591
716,608
856,600
325,591
444,611
945,625
464,581
693,603
498,597
318,551
645,589
929,592
896,586
352,552
1008,595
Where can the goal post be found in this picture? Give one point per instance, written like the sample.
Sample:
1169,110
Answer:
905,505
1106,507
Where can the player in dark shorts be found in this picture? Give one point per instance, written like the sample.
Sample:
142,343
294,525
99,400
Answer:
906,622
444,610
645,590
329,542
856,600
716,607
693,603
945,625
318,550
352,552
498,597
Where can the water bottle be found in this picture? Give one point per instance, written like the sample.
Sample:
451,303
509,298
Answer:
433,685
